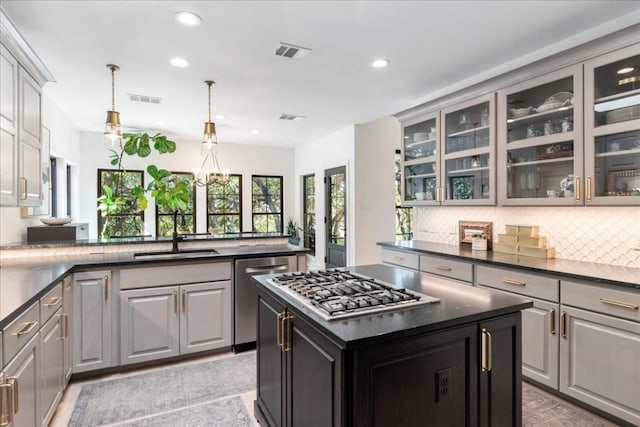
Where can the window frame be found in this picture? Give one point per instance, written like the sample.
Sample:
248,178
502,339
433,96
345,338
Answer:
211,214
308,238
160,215
398,205
280,213
139,213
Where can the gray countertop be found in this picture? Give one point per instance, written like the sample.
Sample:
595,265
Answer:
459,304
603,273
24,280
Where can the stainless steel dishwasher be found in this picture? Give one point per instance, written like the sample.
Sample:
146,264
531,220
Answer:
246,295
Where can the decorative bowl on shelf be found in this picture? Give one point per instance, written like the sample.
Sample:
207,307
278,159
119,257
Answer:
521,112
55,221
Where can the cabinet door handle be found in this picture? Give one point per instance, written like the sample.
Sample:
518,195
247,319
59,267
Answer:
577,188
5,390
66,325
53,302
279,329
563,320
486,350
622,304
175,302
552,321
587,185
184,301
23,193
398,258
286,333
15,395
443,267
26,329
106,288
515,282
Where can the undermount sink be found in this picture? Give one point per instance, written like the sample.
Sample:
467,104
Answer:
194,253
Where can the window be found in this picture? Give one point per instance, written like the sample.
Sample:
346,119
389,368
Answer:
186,219
224,204
404,216
309,211
53,187
130,220
266,202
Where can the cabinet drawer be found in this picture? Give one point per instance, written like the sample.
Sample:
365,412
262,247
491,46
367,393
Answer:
50,303
174,274
20,331
447,267
533,285
601,298
403,259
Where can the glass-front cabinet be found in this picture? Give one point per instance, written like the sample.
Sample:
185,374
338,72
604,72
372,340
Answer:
612,128
468,173
540,140
420,184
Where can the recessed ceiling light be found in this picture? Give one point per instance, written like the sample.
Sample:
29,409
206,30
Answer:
162,122
220,116
625,70
255,132
179,62
380,63
188,18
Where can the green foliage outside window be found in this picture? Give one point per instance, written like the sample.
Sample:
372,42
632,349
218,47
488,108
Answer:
404,216
224,204
123,215
266,203
174,186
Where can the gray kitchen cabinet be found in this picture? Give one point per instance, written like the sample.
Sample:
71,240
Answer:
402,259
92,308
8,128
459,270
21,381
205,319
51,367
67,309
600,348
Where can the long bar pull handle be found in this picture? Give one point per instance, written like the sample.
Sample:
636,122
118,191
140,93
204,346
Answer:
577,189
443,267
563,321
106,288
184,300
15,395
175,302
267,269
514,282
622,304
53,302
5,400
437,194
66,325
23,193
486,350
587,186
279,329
26,329
286,333
552,321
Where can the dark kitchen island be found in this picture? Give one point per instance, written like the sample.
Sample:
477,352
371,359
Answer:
454,362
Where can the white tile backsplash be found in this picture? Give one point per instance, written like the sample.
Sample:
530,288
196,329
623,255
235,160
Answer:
608,235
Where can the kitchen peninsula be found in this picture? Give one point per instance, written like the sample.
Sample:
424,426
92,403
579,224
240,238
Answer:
453,362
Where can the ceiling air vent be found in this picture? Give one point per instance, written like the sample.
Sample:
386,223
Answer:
144,98
287,50
285,116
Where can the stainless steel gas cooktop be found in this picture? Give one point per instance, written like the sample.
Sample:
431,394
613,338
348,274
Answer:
336,294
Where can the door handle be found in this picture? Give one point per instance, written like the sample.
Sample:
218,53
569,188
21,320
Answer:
15,395
26,329
5,401
552,321
587,185
286,333
175,302
577,188
106,288
514,282
53,302
23,195
622,304
184,300
563,321
443,267
265,269
486,350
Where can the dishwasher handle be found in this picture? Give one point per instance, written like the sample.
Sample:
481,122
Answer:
266,269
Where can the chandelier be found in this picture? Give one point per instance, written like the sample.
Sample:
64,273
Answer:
210,171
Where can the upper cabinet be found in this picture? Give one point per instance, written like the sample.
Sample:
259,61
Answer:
612,128
540,140
448,155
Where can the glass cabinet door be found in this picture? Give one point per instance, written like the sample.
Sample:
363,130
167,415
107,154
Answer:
539,148
468,147
420,160
612,128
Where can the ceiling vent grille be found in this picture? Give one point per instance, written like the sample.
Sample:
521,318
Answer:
144,98
287,50
285,116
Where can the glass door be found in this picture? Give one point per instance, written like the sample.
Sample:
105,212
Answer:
468,176
539,148
336,220
420,161
612,128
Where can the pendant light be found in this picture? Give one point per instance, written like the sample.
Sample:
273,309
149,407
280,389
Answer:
112,125
209,138
209,148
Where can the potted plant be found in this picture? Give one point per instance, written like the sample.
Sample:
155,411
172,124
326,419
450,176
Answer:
292,230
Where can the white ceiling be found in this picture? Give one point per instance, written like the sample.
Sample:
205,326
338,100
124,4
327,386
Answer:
434,47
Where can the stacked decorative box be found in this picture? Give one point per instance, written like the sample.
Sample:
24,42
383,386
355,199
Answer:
523,240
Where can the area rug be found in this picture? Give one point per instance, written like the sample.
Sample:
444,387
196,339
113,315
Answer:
165,390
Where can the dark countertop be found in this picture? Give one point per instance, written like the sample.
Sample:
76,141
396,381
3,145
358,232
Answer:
581,270
458,304
24,280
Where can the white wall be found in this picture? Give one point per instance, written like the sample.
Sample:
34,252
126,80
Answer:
336,149
374,176
236,158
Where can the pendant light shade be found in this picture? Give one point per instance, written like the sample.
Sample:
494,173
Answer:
209,138
112,129
210,170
